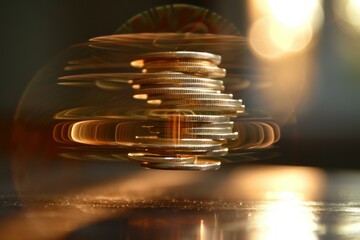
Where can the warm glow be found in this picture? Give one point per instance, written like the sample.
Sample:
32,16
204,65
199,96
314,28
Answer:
286,195
154,102
283,26
202,230
283,196
293,13
276,183
348,11
140,96
291,39
260,40
287,218
353,12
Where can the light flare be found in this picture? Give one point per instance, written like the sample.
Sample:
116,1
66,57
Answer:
281,27
293,13
352,10
287,218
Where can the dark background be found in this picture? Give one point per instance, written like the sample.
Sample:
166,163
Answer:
33,32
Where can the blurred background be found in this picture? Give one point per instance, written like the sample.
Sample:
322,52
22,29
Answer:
316,39
310,47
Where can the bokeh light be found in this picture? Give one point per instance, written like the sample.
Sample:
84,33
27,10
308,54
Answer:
280,27
348,12
293,14
353,12
287,219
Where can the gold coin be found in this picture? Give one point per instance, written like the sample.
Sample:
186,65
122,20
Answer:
208,71
171,63
191,125
201,86
189,118
232,135
190,96
211,108
172,90
156,158
192,130
182,78
199,164
216,59
207,101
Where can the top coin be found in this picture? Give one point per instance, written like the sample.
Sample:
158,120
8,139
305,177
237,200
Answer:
139,62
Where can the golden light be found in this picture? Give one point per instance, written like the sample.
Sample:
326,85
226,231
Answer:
261,42
352,10
347,225
348,12
293,13
291,39
287,218
283,26
202,230
287,196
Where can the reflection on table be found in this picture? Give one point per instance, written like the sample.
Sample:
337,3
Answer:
244,202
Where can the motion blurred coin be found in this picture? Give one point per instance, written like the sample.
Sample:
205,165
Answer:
199,164
189,118
187,96
208,101
208,71
155,158
192,130
172,90
232,135
216,59
192,125
176,63
182,85
182,78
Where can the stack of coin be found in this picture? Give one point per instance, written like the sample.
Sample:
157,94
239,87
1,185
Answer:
181,117
189,116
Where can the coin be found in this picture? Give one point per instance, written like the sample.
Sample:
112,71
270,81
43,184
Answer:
216,59
189,118
182,78
174,143
192,130
207,101
171,63
189,125
182,85
208,71
232,135
119,76
155,158
167,96
211,108
199,164
172,90
218,152
181,151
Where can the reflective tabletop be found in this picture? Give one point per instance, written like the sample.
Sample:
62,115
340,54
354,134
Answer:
123,201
